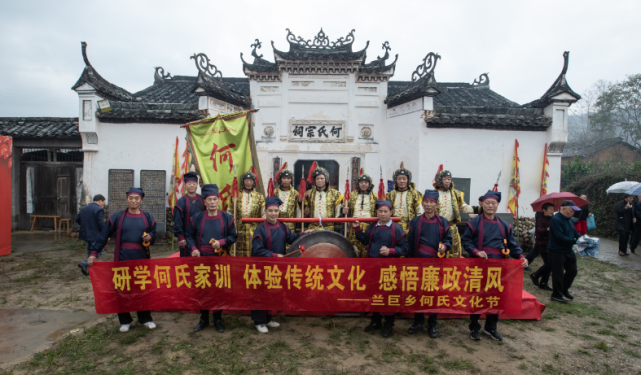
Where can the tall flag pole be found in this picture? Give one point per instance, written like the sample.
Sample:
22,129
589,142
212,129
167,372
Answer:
496,185
545,174
175,177
381,187
185,166
515,182
302,189
234,197
346,198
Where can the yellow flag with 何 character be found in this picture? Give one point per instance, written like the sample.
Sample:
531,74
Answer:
515,182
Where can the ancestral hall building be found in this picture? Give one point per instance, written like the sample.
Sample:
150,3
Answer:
325,100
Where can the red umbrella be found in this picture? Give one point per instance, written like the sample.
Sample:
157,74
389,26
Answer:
556,199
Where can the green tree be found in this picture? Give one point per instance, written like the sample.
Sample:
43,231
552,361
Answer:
618,110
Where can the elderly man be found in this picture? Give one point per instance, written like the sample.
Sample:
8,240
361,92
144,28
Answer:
322,201
91,220
211,233
134,231
624,222
429,235
405,199
451,203
563,236
485,237
250,205
185,208
361,205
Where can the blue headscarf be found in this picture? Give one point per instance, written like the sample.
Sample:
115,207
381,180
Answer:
210,189
491,195
431,194
137,191
273,201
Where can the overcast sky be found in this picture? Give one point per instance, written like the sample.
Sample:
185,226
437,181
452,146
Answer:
519,43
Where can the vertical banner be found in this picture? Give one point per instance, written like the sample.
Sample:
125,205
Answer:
545,174
515,183
6,162
219,143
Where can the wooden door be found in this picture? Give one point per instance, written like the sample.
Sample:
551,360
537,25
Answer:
64,192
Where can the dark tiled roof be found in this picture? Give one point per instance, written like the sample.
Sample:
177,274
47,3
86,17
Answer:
423,83
559,86
379,65
573,149
530,119
39,127
178,89
141,112
320,48
103,87
458,94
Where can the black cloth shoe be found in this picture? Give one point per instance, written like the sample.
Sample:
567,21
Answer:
373,326
416,328
219,326
84,269
557,299
545,287
387,330
201,325
535,280
432,332
567,295
527,269
475,335
494,334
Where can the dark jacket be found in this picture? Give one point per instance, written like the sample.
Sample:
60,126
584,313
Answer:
583,214
637,212
624,216
91,219
562,234
541,232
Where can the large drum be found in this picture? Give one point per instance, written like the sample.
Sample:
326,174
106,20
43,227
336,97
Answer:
323,244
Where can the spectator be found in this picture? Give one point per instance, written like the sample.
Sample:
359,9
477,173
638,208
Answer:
91,219
541,277
624,222
581,225
562,258
637,226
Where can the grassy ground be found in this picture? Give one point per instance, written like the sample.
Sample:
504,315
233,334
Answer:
596,334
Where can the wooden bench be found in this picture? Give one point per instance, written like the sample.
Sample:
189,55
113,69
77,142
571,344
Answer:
67,224
36,218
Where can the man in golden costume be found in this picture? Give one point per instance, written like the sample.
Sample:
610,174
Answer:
362,204
251,204
451,203
321,200
286,192
405,199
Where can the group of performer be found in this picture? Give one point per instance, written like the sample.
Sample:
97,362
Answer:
427,230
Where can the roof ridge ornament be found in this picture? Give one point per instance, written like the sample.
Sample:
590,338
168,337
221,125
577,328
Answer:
205,67
84,54
427,67
321,41
257,44
387,48
160,76
483,80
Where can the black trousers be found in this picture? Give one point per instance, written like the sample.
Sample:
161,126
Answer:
624,238
420,319
143,317
562,281
377,317
536,251
261,317
204,315
636,237
543,273
491,321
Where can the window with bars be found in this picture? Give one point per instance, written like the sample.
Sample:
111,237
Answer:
52,155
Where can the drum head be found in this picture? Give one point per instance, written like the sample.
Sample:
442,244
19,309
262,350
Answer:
324,244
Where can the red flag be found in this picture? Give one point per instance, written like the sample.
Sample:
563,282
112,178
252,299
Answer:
302,189
254,171
381,191
270,188
310,179
346,190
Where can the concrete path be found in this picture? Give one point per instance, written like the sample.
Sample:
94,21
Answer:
24,332
609,252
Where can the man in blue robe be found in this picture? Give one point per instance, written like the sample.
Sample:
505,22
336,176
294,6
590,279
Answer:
385,239
269,240
132,228
211,233
486,236
429,235
186,207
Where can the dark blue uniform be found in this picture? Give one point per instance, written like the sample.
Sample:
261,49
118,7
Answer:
483,234
424,237
128,229
185,208
91,219
377,236
269,240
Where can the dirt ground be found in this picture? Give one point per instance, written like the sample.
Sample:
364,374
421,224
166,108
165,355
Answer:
597,333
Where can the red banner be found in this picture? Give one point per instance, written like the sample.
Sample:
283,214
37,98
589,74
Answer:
6,158
457,286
